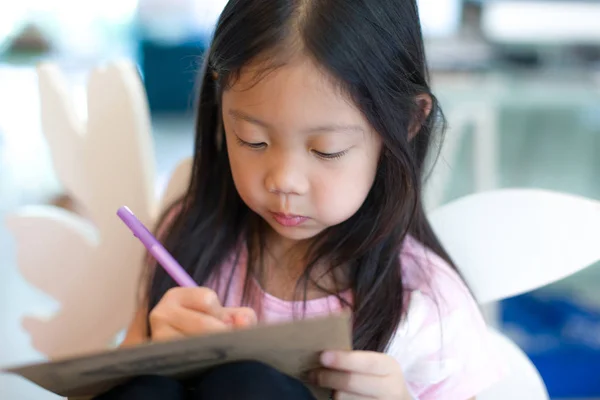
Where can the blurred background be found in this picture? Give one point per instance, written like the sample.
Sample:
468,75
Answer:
536,64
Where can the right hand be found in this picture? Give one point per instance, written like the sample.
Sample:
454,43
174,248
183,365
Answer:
195,311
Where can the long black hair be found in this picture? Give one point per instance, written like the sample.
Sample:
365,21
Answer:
373,49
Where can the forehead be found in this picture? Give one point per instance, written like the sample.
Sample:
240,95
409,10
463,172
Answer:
297,92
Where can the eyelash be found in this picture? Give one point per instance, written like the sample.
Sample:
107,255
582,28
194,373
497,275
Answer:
324,156
255,146
330,156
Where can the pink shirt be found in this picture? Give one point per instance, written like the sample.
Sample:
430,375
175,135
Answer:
442,344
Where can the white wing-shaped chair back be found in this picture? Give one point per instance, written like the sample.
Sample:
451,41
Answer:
91,264
508,242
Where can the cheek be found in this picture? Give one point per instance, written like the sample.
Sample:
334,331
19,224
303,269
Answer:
339,196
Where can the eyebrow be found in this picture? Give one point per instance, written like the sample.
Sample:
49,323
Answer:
239,115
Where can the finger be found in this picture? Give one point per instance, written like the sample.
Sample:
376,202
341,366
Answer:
242,317
193,322
365,362
200,299
347,382
165,333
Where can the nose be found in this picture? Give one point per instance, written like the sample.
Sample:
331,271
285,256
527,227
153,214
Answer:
287,176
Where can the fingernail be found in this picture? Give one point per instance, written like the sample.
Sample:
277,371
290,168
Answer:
327,358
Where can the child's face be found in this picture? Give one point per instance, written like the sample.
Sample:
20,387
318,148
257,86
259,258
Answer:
302,155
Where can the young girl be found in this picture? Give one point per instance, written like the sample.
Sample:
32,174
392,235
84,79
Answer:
314,123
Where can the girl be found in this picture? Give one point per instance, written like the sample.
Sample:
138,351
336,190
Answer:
315,119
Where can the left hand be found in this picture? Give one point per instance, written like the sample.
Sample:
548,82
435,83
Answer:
357,375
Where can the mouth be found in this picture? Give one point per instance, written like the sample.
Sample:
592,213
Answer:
289,219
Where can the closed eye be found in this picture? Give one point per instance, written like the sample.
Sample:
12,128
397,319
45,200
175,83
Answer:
259,145
330,156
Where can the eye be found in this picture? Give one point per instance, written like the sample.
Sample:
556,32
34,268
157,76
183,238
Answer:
250,144
330,156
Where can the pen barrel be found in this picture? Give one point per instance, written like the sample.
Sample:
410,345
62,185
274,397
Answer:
172,267
160,254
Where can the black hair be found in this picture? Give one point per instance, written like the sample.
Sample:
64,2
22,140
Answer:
373,49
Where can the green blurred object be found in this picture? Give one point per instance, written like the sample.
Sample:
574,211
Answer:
27,46
25,43
30,39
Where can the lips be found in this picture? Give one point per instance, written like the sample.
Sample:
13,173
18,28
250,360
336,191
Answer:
289,220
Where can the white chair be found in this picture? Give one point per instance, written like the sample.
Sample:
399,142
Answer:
103,163
96,255
508,242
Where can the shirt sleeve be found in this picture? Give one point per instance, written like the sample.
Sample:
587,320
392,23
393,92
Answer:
443,345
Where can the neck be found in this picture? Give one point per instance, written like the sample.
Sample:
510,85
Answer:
285,262
286,252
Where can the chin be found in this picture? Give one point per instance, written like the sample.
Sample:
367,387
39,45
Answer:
298,236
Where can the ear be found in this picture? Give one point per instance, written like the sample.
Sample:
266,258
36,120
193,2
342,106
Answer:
423,103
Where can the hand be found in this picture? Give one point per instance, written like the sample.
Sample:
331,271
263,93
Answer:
195,311
357,375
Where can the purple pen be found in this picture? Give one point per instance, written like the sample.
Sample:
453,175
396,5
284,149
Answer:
160,254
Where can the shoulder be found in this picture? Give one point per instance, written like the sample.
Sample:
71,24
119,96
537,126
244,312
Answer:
425,272
443,342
